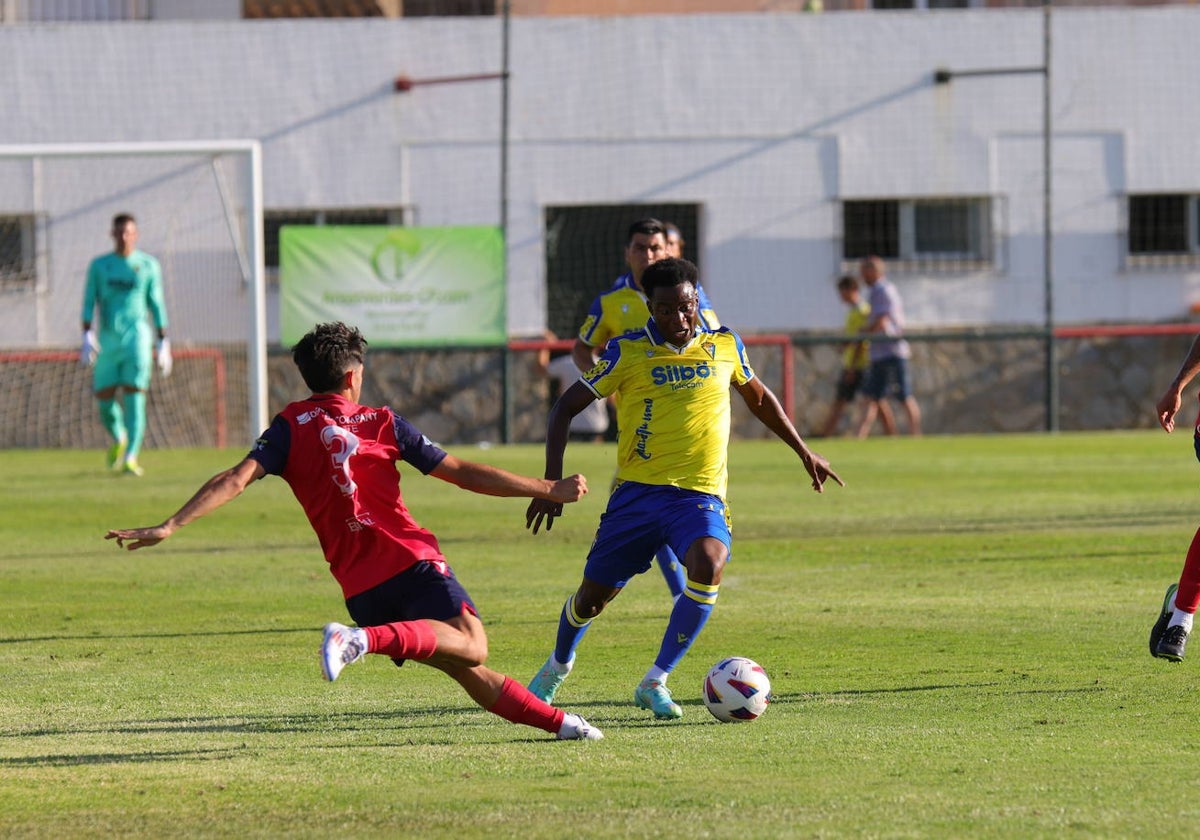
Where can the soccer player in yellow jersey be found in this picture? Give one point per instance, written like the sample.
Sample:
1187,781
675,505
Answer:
673,378
622,309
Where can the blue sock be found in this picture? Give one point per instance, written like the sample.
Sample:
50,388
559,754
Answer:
672,569
570,632
688,618
135,421
111,419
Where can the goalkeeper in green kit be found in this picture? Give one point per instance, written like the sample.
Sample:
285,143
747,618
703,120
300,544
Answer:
123,287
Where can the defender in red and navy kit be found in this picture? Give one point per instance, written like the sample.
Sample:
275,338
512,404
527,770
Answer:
339,458
360,517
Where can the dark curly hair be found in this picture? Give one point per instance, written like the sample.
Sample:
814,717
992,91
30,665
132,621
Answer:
326,353
669,272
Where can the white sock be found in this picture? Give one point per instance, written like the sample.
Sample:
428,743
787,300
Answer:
656,673
1179,618
570,725
562,668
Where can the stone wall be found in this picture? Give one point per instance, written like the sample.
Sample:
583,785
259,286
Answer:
972,385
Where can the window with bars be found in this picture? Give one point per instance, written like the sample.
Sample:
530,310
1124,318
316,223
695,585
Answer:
924,233
18,253
1164,228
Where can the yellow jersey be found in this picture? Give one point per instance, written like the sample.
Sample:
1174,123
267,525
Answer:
856,356
674,410
623,308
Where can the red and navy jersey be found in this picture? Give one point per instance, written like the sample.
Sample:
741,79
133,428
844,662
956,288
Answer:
340,458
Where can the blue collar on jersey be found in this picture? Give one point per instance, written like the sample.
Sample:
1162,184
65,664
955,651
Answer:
625,281
656,337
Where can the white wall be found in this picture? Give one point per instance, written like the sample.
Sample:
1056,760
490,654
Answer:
767,120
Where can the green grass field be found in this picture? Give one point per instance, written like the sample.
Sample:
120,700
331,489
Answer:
957,643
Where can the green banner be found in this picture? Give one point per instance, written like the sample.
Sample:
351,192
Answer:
403,287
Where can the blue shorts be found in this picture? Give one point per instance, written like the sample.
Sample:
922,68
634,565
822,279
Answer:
642,517
888,377
426,590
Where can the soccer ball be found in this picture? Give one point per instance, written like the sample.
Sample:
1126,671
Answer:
737,689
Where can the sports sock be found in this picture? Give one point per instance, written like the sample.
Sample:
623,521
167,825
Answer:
518,704
687,620
672,570
571,628
1187,598
402,639
134,403
657,674
1179,618
111,418
562,667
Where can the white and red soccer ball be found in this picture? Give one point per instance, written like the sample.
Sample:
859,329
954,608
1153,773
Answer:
737,689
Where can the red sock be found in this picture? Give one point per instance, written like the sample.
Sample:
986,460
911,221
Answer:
518,705
402,639
1188,596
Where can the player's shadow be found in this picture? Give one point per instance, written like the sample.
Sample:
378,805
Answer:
810,696
404,728
180,635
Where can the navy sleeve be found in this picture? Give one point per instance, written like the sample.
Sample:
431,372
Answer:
415,448
272,447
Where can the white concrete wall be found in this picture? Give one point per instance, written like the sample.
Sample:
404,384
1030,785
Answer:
767,120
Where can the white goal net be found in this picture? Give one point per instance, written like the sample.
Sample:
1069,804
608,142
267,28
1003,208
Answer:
199,212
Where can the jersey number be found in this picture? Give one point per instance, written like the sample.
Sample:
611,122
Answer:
340,444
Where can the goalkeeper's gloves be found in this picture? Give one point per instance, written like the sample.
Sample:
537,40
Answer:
87,353
163,352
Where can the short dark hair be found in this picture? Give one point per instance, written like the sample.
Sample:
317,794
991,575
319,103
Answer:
668,273
326,353
847,282
647,226
122,219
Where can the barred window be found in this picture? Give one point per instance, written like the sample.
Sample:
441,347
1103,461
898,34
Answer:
1163,224
926,233
18,253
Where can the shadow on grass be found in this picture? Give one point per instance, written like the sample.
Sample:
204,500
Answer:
76,760
425,721
189,634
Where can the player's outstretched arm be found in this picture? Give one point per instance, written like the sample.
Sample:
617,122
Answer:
221,488
572,401
765,406
1168,404
493,481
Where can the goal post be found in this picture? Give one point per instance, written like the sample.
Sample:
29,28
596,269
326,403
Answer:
199,206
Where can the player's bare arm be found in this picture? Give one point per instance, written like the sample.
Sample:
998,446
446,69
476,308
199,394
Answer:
583,354
764,405
493,481
222,488
573,401
1172,398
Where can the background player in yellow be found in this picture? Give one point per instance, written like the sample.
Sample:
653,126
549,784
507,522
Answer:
674,377
856,359
623,307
